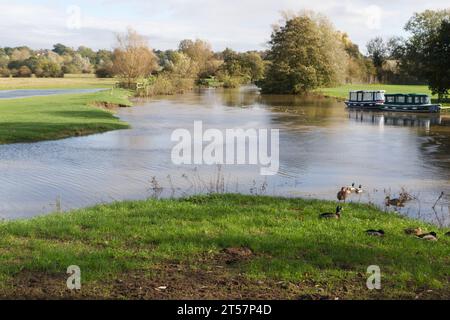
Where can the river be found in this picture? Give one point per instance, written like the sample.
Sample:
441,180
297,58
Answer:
323,146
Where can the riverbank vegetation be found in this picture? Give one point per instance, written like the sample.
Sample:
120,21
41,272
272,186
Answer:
221,246
60,116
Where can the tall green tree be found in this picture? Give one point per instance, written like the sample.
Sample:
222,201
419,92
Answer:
378,52
305,53
423,28
437,62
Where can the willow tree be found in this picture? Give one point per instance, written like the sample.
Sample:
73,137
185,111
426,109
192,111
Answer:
132,57
306,52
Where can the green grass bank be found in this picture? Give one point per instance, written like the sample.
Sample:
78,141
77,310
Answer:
221,246
60,116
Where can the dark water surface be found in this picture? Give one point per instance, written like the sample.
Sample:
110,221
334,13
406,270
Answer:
323,146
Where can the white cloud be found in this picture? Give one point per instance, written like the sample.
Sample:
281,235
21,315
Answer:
242,25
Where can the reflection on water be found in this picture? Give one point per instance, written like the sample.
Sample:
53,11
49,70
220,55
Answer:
396,119
323,146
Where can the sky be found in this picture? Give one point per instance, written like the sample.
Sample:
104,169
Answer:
238,24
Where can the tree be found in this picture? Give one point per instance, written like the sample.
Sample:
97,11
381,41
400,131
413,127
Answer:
437,62
200,53
423,28
103,56
241,67
24,72
4,58
377,50
46,68
132,57
86,52
305,53
181,65
62,49
360,69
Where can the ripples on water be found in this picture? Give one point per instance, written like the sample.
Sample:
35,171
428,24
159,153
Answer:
322,147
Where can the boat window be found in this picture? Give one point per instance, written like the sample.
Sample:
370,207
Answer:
368,96
379,96
410,100
401,99
390,99
353,96
360,96
417,100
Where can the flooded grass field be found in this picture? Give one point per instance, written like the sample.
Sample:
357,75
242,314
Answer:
323,146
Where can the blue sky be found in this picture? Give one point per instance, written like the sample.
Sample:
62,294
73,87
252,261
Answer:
239,24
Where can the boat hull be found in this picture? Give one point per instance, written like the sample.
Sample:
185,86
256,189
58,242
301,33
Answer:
429,108
364,105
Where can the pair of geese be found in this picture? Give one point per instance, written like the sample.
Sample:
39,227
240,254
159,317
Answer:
346,191
430,236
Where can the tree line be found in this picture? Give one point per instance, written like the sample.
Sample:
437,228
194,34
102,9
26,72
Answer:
305,52
26,62
421,58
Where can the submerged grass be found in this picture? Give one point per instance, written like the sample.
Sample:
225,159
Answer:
289,242
59,116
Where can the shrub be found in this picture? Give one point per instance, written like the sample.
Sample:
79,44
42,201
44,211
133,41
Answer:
24,72
104,72
5,72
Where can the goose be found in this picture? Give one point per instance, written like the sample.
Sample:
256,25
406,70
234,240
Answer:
375,233
448,234
431,236
329,215
414,231
393,202
342,195
352,188
359,189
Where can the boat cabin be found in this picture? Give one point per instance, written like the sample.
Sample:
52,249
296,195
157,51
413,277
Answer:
408,99
367,96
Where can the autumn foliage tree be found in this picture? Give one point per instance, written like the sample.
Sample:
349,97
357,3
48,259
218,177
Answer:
133,58
200,52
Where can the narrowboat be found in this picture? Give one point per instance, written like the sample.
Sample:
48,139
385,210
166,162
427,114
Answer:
410,103
366,100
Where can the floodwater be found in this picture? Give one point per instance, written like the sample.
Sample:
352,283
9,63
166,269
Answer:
323,146
25,93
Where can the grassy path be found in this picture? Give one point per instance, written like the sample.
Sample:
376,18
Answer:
59,116
221,246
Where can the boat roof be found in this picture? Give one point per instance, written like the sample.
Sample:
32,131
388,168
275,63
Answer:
408,94
381,91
